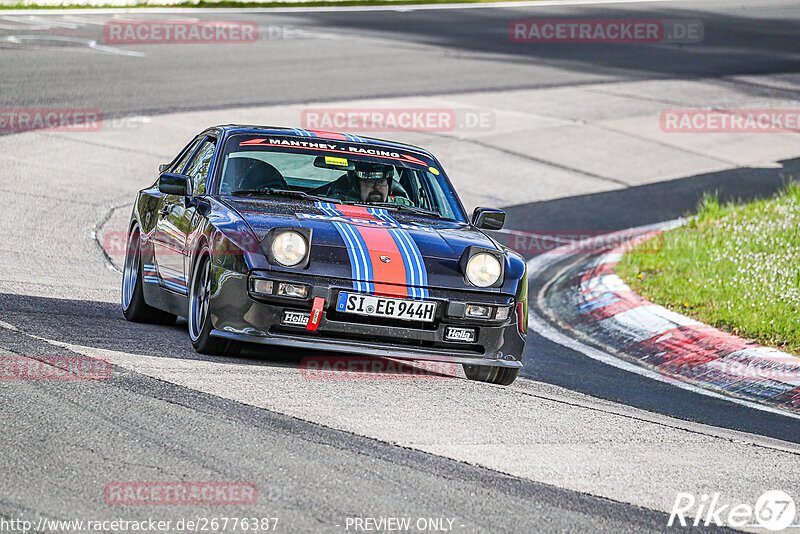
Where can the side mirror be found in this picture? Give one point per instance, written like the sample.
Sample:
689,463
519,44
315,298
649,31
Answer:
171,183
488,218
163,167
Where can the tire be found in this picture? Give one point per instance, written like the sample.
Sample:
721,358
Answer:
199,317
134,308
503,376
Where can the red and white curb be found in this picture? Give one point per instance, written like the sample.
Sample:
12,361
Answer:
588,299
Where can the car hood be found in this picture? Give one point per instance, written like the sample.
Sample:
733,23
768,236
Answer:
387,240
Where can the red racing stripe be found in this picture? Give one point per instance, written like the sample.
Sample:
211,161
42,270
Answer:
390,278
329,135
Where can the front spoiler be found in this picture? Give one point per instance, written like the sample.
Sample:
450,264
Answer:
368,349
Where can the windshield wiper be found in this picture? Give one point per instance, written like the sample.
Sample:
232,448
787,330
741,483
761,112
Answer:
278,192
406,209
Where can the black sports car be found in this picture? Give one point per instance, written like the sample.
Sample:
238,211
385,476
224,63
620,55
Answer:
288,237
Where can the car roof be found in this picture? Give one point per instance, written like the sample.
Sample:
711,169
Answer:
318,134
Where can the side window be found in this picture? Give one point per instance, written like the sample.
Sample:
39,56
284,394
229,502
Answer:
181,163
421,190
432,189
198,168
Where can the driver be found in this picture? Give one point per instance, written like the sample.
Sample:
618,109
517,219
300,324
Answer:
368,182
374,181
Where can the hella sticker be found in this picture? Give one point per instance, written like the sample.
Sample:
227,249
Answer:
460,334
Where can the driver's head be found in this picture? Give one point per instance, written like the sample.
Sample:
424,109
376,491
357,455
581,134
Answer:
373,180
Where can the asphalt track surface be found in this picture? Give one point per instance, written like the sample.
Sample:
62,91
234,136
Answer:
299,58
312,476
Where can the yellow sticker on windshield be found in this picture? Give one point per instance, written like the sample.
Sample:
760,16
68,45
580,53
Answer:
339,162
434,170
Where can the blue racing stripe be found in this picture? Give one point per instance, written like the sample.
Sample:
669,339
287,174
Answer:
360,264
362,249
411,273
404,241
175,287
356,262
415,263
411,270
152,275
396,145
171,273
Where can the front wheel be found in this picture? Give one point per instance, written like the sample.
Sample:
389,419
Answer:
199,316
134,308
503,376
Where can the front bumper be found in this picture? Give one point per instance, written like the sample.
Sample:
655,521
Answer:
237,315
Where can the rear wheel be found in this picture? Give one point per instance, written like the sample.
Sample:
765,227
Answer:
199,317
134,308
503,376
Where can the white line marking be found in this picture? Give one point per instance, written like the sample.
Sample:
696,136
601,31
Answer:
8,326
34,23
89,43
540,326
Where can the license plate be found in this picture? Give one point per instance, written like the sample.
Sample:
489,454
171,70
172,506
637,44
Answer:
407,310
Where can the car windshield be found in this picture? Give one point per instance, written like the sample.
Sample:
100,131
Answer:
350,173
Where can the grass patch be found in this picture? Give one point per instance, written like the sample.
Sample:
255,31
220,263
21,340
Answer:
248,3
733,266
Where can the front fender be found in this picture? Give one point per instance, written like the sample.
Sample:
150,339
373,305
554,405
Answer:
515,270
232,243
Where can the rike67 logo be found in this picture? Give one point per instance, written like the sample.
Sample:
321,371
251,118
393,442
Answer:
775,510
